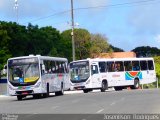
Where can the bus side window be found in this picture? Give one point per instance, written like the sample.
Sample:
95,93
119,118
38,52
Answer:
150,65
45,67
127,66
119,66
135,66
143,65
102,67
53,67
110,66
94,69
66,67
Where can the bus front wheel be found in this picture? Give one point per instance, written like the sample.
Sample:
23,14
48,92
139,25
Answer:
85,90
19,97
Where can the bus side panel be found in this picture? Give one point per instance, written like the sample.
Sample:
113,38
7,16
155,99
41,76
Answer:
148,77
66,81
53,80
119,79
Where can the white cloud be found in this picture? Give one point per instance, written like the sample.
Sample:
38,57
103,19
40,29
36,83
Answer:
2,4
92,3
145,18
157,38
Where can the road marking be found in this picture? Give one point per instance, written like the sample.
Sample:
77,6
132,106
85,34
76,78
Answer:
73,92
122,99
75,101
113,103
99,110
54,107
4,96
81,91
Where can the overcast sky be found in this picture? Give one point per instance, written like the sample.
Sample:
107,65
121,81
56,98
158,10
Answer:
126,23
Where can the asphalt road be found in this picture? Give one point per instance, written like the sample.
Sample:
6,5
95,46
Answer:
126,101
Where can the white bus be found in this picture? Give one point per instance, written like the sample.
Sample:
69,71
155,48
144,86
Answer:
101,73
37,76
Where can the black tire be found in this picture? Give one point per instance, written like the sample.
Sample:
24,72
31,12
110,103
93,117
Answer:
85,90
104,86
47,94
37,96
57,93
44,95
90,90
118,88
136,84
19,97
60,92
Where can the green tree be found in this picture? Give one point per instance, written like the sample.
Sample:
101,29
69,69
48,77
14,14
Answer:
35,40
115,49
4,55
157,67
66,44
82,43
18,38
99,45
4,52
145,51
52,40
43,41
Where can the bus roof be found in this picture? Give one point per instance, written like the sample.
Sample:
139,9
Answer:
40,57
113,59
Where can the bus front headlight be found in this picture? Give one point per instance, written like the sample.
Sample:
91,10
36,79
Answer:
88,81
38,84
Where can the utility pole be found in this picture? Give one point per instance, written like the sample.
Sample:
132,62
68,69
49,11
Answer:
157,82
16,8
72,33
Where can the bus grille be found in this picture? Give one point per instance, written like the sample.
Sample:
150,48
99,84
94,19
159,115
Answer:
24,92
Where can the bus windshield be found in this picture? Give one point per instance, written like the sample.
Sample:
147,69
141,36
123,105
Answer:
79,71
23,71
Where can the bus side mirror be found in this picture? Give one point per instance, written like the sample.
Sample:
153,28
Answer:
4,71
94,68
42,68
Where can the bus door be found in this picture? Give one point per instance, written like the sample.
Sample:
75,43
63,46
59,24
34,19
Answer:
95,76
147,68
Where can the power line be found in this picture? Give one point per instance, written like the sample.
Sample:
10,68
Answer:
119,4
96,7
58,13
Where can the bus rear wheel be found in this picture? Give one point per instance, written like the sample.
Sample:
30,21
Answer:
118,88
136,84
47,94
104,86
60,92
44,95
